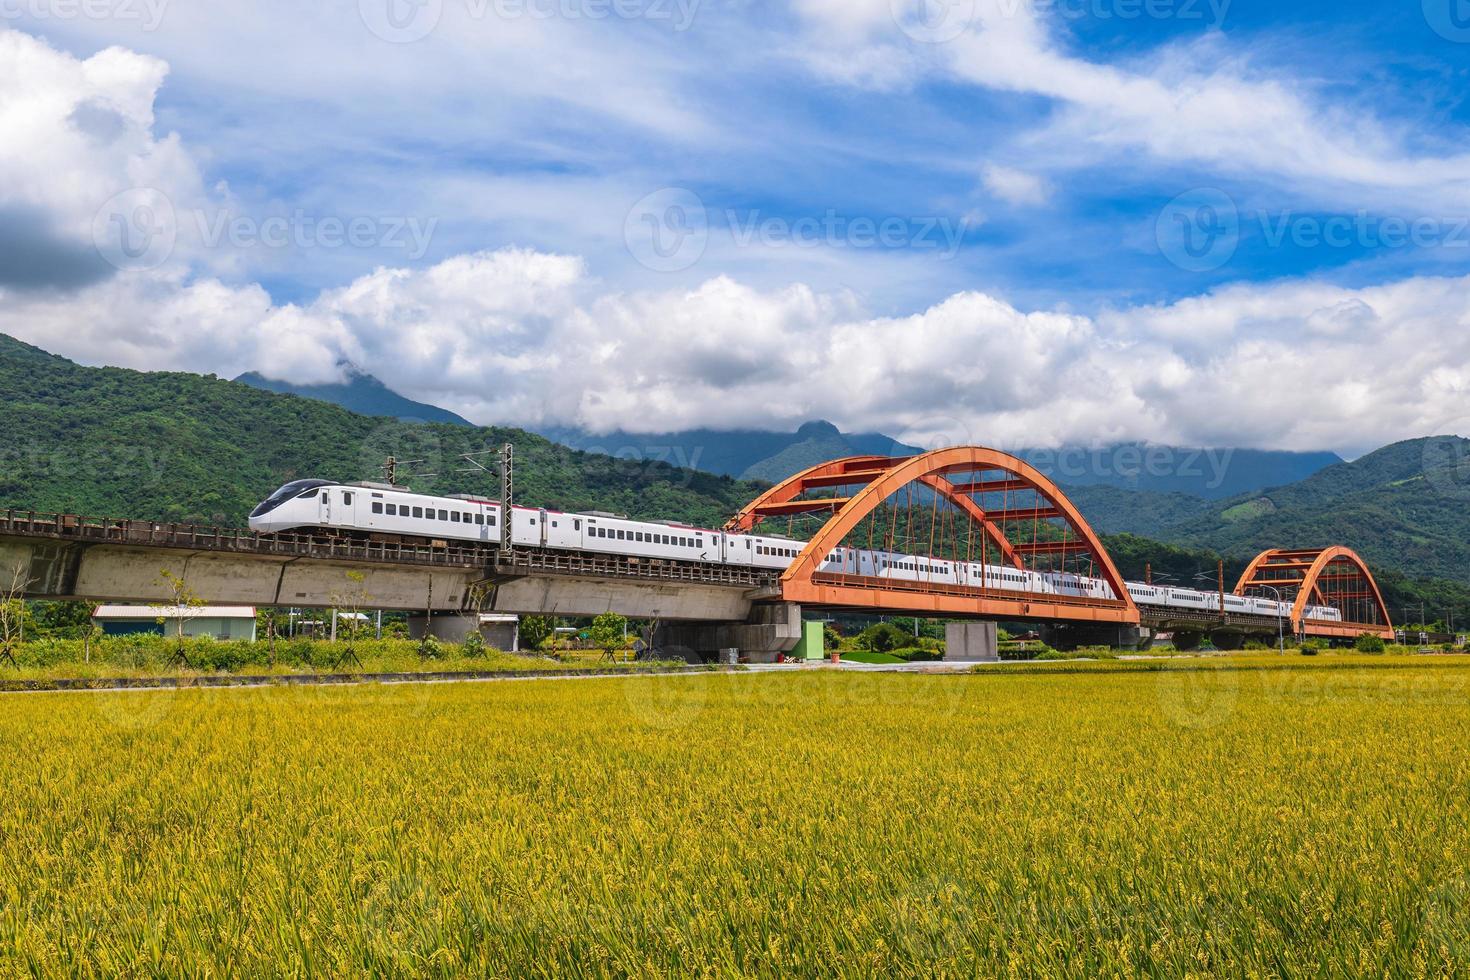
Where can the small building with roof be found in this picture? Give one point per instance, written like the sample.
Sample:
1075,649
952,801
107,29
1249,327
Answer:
220,622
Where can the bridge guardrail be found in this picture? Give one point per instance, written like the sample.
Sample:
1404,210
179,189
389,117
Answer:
195,537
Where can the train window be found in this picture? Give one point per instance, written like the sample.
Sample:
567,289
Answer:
533,522
555,524
325,496
747,544
576,525
392,509
444,515
480,519
418,512
377,507
490,520
622,535
347,499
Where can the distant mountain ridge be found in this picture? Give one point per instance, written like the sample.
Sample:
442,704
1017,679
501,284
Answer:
1207,474
362,393
749,454
757,454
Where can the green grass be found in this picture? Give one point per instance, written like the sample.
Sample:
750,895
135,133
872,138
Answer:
156,657
1259,822
870,657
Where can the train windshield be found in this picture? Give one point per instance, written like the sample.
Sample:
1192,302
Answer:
295,488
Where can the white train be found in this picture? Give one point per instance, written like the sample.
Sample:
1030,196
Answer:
395,513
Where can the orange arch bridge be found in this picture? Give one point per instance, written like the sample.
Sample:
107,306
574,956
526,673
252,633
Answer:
965,505
1316,579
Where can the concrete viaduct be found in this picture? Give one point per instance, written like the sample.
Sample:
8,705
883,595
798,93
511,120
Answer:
996,509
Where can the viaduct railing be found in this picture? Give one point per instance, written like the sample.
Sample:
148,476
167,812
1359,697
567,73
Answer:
442,554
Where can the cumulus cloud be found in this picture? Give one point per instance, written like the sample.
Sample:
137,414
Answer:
517,336
86,186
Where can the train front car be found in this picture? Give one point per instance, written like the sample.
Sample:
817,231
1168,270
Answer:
293,505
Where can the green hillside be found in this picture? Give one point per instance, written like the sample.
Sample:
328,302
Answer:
1404,507
182,447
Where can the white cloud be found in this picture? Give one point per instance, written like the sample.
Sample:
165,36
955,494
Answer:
78,132
1200,102
1016,186
516,336
522,335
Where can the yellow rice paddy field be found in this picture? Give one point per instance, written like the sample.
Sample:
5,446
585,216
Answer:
1236,822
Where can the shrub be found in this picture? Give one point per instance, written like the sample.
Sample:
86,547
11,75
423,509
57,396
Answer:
1369,643
1255,645
883,637
1039,651
1097,653
917,654
473,646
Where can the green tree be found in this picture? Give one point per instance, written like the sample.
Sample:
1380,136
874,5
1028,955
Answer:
882,637
535,630
12,614
184,604
609,633
1369,643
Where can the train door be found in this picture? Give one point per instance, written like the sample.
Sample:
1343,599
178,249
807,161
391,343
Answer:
326,505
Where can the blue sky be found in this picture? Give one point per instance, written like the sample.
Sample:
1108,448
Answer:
654,213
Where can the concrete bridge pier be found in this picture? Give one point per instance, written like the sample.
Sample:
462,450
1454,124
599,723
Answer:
771,629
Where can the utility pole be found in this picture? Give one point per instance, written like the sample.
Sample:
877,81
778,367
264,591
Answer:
507,491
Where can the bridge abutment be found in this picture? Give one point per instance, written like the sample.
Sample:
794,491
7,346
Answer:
971,643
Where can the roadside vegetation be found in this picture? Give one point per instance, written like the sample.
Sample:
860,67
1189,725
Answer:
57,641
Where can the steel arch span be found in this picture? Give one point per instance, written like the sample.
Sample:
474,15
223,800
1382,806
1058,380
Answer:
1335,577
998,512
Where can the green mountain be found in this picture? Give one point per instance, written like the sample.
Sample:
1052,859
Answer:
1203,474
361,393
1402,507
183,447
751,454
